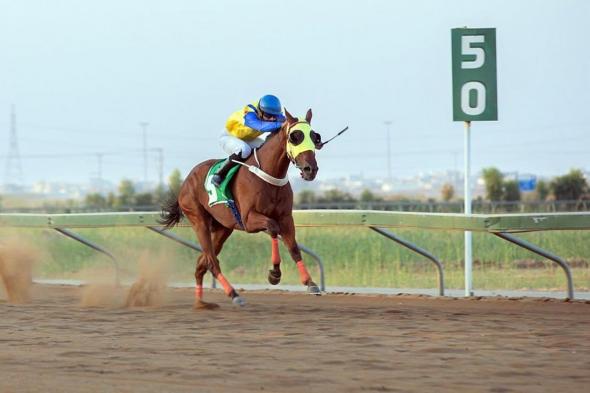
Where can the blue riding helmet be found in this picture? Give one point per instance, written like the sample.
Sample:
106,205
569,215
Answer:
271,105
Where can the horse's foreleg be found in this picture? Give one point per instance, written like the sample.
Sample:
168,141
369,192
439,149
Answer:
288,235
274,275
257,222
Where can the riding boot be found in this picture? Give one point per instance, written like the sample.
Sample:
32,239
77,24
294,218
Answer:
217,179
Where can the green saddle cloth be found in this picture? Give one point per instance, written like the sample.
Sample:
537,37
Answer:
221,194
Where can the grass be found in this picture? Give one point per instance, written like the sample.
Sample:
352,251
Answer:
352,257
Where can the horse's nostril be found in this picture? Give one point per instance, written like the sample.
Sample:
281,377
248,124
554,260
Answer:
307,169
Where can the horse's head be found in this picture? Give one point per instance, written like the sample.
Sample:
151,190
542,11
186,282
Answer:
302,143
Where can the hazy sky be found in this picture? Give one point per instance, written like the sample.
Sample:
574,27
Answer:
83,74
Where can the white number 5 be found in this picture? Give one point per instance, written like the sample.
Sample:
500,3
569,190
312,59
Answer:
467,49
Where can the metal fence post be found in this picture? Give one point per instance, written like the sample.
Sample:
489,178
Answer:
537,250
418,250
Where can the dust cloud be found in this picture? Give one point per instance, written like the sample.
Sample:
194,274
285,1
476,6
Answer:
148,289
16,265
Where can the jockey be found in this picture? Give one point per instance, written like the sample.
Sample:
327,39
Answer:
243,130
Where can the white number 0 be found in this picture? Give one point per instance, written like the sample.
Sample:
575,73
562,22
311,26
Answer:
480,98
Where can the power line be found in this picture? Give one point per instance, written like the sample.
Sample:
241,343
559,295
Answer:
71,155
124,133
100,155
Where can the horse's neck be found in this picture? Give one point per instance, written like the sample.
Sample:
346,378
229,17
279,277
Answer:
273,157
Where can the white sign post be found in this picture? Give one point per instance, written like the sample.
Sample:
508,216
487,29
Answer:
474,98
467,204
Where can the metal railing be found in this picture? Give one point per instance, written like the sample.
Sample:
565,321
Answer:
501,225
479,207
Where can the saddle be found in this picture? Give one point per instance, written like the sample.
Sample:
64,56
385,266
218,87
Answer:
222,194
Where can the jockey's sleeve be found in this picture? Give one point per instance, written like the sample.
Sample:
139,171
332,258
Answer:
252,121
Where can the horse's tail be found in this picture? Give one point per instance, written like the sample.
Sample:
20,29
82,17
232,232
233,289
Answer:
171,212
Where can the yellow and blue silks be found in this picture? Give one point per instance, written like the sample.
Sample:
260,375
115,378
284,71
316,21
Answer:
245,124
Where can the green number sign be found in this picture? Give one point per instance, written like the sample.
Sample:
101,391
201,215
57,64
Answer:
474,74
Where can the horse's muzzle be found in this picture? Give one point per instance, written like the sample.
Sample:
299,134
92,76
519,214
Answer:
307,165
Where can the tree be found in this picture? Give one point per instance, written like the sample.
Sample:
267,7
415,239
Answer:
144,199
447,192
335,195
570,186
306,197
542,190
159,194
368,196
95,200
511,191
493,179
175,181
126,193
111,199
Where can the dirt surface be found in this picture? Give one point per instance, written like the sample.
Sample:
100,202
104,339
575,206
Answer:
283,342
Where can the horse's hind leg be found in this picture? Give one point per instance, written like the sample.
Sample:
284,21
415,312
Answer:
199,273
209,261
288,235
219,235
203,225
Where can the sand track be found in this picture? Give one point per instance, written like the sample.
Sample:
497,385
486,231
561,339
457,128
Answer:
294,343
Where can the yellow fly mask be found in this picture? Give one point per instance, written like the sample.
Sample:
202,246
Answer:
301,138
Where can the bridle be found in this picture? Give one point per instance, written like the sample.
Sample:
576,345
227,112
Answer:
307,145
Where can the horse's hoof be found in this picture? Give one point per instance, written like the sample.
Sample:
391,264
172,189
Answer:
201,305
239,301
313,289
273,277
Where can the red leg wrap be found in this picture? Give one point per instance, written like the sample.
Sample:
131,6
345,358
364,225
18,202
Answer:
226,285
199,292
275,256
303,273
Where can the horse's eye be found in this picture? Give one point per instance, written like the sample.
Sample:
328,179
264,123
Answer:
296,137
315,138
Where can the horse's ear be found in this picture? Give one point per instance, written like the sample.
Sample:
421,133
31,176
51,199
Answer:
308,116
290,118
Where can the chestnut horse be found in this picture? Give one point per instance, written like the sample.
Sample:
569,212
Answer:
262,206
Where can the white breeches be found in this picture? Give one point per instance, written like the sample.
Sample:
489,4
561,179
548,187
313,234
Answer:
232,145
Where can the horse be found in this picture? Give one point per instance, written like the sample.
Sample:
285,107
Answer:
262,206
